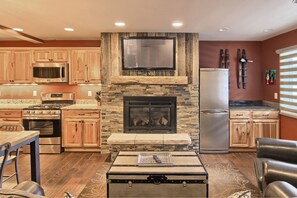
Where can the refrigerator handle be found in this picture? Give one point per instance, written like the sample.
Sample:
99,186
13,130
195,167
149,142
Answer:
215,112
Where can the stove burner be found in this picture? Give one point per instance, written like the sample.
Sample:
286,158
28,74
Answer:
47,106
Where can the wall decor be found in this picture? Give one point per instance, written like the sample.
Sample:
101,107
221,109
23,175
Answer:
242,68
270,76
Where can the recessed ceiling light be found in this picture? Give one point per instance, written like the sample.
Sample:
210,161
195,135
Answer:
224,29
18,29
69,29
119,24
177,24
268,30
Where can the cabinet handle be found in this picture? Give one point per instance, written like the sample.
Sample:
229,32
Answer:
7,113
75,127
81,114
239,114
10,120
265,114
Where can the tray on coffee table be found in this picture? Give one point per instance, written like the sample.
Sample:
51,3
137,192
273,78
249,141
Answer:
154,159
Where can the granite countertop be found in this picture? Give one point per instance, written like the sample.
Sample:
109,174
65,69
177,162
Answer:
251,107
13,106
82,106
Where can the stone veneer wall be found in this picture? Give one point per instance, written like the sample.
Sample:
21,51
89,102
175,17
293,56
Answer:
187,107
187,65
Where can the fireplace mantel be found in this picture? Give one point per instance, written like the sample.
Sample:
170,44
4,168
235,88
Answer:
150,80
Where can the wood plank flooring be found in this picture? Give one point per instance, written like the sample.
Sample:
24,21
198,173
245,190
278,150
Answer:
72,171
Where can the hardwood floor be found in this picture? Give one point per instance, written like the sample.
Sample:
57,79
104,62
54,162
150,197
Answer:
72,171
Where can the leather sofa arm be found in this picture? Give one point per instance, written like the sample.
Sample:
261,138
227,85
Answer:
280,189
279,171
282,150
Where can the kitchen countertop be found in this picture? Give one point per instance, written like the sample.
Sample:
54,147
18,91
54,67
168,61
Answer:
251,107
82,106
14,106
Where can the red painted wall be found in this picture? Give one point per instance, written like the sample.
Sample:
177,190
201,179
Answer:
209,57
270,60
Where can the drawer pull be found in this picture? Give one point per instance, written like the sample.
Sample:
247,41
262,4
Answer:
265,114
7,113
81,114
130,184
239,114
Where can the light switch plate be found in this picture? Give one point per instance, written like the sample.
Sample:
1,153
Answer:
90,93
34,93
275,95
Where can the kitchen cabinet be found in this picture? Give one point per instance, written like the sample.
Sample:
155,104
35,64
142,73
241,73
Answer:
85,66
51,55
5,61
11,117
246,126
81,128
16,66
240,128
265,124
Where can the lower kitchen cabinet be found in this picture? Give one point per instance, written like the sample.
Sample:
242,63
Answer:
240,133
265,128
11,117
81,129
246,126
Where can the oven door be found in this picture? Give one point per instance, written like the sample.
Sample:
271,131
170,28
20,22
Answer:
48,128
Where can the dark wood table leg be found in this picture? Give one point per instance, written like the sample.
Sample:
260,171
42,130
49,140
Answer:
35,160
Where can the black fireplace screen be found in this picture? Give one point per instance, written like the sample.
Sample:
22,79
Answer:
149,114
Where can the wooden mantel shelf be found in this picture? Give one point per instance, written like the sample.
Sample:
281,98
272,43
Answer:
150,80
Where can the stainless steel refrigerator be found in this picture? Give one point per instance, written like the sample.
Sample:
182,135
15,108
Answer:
214,110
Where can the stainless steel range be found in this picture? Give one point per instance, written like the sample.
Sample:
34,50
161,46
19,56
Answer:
46,118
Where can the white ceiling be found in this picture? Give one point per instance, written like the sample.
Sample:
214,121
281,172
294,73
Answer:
245,19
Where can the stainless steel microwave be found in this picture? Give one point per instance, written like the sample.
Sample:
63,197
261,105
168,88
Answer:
50,72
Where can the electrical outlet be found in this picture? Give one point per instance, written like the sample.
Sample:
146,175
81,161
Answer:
275,95
34,93
90,93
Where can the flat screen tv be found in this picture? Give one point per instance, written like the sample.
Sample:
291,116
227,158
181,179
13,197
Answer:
148,53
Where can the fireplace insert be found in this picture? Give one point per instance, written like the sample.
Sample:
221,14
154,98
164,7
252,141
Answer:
149,114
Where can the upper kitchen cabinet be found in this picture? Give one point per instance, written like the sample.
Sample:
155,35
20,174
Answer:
16,66
51,56
5,61
85,66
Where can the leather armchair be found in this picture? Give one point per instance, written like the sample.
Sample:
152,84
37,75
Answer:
280,189
276,161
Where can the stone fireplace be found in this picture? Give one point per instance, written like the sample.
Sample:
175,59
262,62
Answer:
179,115
149,114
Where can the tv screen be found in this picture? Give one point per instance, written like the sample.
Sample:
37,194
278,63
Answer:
148,53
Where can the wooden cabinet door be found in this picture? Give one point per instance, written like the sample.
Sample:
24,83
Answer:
21,72
264,128
91,133
239,133
42,55
5,63
93,69
78,66
51,56
59,55
72,133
